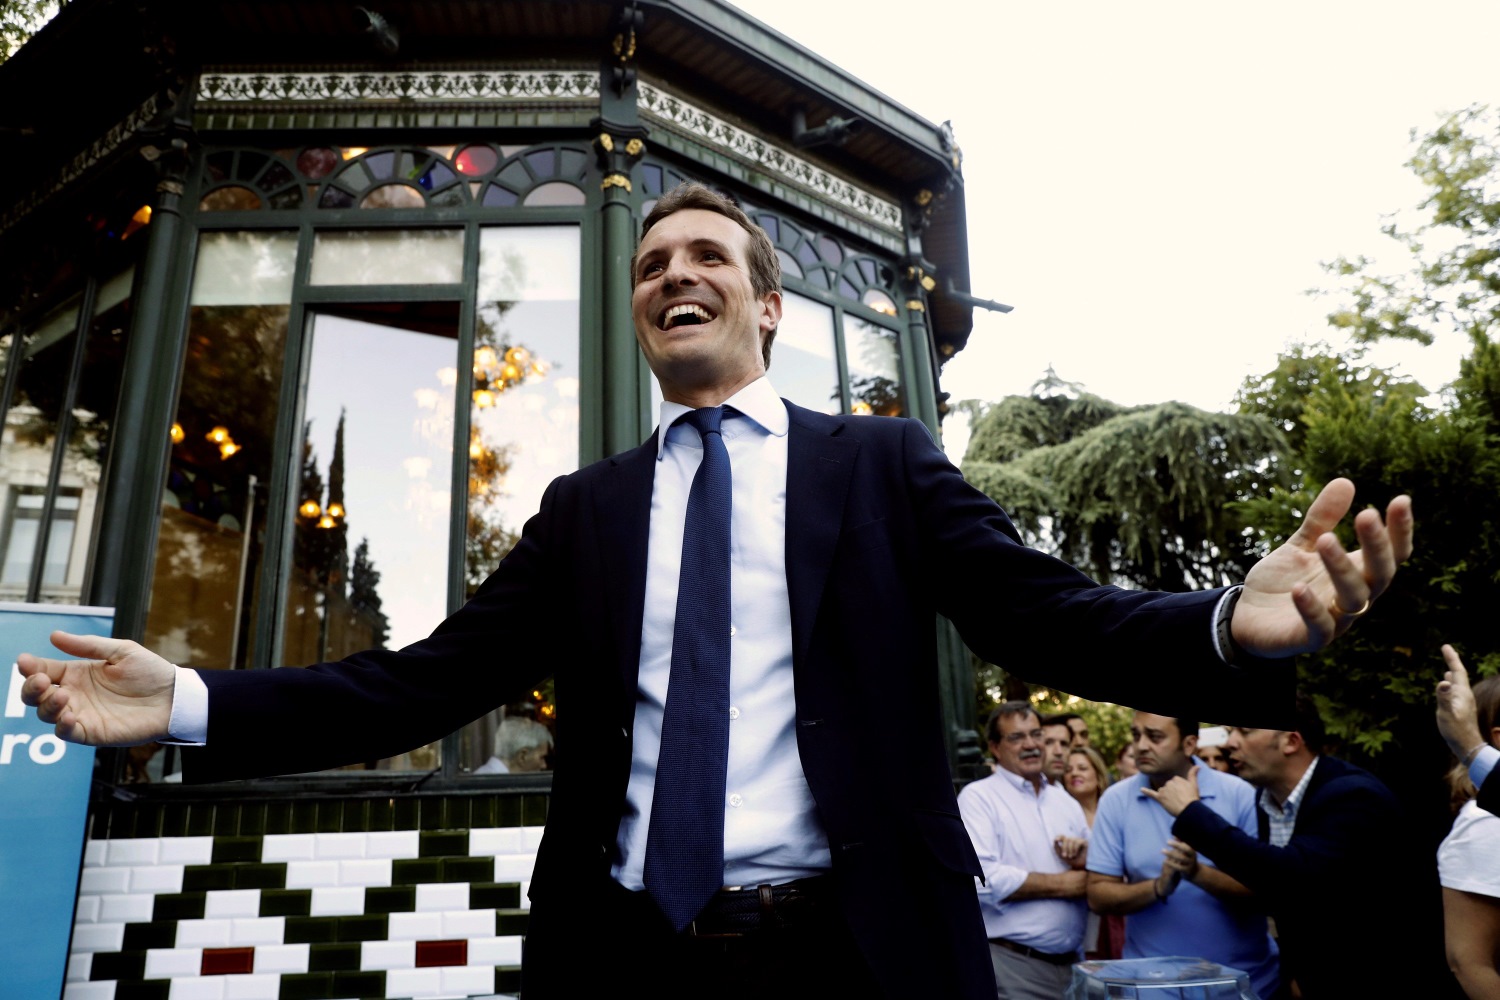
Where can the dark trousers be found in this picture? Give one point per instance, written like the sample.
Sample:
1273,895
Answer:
626,944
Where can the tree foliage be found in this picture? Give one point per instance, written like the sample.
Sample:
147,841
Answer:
19,20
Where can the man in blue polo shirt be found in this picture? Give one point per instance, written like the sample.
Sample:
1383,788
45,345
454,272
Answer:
1205,914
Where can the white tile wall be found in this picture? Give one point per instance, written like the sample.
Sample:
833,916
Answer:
133,851
462,980
414,983
415,927
131,908
311,874
256,987
282,958
250,931
197,988
169,963
204,933
495,840
231,903
79,967
97,881
514,867
102,990
338,901
442,896
400,844
495,951
531,837
288,847
468,923
339,846
526,895
98,937
379,955
87,910
156,878
187,850
93,853
372,871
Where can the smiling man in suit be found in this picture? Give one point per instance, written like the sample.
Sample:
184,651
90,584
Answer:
738,598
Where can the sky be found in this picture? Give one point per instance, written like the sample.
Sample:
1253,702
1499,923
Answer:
1153,186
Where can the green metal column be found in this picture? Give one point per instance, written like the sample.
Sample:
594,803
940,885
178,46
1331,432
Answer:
139,443
619,142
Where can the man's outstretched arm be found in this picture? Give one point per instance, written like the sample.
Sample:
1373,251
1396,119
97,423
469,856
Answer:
118,694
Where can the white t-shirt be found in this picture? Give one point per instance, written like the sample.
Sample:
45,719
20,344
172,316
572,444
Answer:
1467,859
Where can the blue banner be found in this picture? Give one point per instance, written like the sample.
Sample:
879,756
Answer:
44,792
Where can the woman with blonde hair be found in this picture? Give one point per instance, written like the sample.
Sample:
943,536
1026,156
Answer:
1086,779
1469,862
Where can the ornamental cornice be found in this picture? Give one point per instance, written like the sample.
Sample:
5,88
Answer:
97,150
687,119
447,86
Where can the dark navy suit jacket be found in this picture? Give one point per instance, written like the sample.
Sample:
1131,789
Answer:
1354,893
882,535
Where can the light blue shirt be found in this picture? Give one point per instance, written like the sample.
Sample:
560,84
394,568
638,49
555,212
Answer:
771,829
1483,763
1130,831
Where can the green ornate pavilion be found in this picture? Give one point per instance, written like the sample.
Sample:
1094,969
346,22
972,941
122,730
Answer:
306,302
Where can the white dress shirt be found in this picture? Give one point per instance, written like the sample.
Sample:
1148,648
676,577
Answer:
771,829
1014,825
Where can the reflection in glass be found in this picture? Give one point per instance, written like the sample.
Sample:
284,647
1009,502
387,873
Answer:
873,355
392,196
878,300
524,412
373,497
212,532
22,525
555,193
388,257
804,366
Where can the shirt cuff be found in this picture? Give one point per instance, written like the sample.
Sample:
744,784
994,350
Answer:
1219,628
1483,763
188,726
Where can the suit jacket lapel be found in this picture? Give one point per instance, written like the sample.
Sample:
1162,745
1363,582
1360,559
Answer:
819,466
622,508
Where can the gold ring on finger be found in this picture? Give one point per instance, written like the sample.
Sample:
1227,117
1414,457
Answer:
1338,611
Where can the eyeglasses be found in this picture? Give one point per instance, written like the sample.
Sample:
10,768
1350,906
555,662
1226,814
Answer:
1015,739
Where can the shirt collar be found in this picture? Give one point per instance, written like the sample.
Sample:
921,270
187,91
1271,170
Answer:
757,401
1022,784
1269,803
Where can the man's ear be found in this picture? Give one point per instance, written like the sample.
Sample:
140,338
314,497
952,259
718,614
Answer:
1291,742
770,317
1190,744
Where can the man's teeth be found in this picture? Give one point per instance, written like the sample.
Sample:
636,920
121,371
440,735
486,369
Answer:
676,312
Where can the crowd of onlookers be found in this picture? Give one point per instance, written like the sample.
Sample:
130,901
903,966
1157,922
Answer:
1250,848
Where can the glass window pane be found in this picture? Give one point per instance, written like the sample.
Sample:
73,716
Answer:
20,546
524,412
370,551
212,532
873,355
804,365
388,257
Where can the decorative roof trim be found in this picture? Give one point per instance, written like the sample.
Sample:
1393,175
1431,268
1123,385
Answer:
687,119
468,86
75,168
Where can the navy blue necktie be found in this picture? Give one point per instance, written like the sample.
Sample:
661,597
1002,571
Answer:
685,843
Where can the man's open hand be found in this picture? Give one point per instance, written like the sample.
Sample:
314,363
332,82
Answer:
120,695
1308,591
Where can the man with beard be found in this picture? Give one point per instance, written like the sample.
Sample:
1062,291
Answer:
1177,905
1031,838
1328,833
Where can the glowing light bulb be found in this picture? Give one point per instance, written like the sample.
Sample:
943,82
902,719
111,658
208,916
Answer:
325,522
486,357
335,509
177,434
310,508
218,435
862,409
227,448
484,398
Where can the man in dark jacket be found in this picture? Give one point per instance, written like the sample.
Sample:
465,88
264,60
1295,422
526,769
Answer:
1352,889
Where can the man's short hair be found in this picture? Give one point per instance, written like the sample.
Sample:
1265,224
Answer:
516,734
764,265
1061,717
1309,723
1004,710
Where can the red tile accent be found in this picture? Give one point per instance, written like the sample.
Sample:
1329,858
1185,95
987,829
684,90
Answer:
227,961
431,953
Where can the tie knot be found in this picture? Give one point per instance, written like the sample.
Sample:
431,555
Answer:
705,421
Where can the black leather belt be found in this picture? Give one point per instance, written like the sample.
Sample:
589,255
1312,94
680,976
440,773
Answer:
1066,958
740,910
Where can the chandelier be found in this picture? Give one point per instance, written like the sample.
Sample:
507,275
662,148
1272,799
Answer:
496,372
